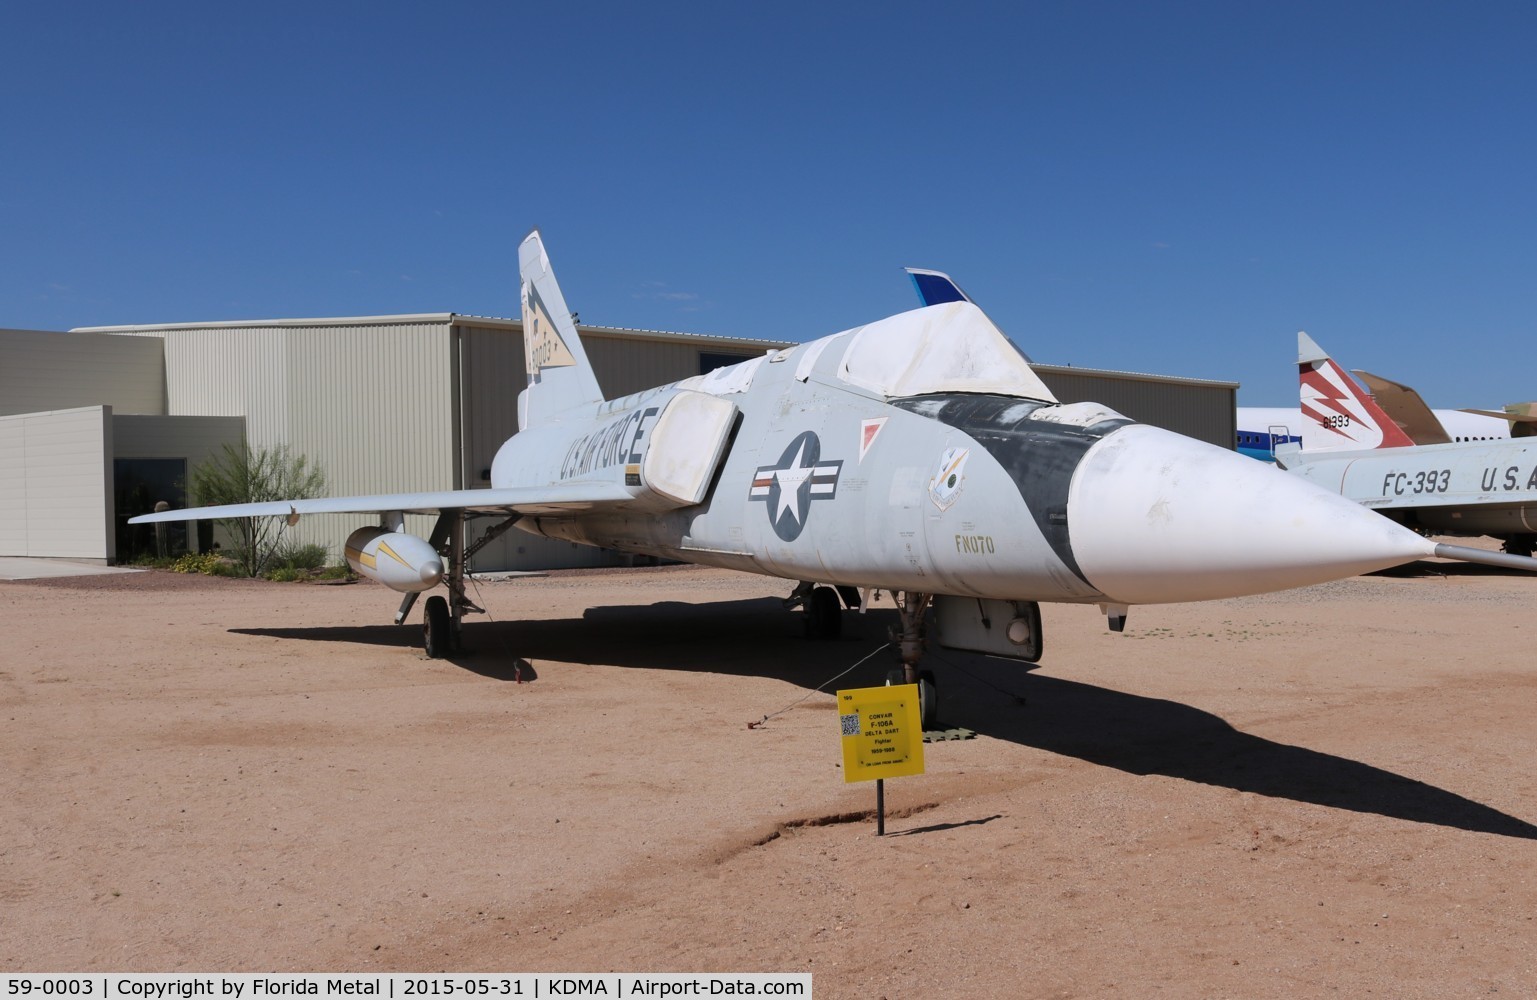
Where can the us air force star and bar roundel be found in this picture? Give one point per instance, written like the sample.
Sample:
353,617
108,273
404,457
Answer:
788,487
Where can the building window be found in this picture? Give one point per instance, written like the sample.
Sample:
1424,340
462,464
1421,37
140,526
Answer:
138,484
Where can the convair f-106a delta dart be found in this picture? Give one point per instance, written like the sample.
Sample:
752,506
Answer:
919,455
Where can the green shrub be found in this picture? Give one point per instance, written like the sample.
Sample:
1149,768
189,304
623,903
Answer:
286,574
206,563
295,556
257,475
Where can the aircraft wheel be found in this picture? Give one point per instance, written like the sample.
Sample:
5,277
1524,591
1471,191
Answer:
437,628
1520,545
824,614
928,700
928,695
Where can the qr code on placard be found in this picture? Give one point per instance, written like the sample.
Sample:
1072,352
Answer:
850,724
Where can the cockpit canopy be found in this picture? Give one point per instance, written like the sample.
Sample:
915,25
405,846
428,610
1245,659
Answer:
951,347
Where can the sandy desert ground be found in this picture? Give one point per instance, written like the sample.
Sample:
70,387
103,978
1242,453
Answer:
1328,792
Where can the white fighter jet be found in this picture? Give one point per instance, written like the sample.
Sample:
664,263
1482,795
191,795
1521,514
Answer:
1352,446
918,455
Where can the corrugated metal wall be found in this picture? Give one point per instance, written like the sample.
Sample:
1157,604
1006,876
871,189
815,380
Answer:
57,371
377,402
230,373
1202,410
56,484
373,404
491,366
628,364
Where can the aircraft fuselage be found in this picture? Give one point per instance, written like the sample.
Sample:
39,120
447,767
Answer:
1473,488
823,482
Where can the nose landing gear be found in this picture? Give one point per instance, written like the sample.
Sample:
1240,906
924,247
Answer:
910,635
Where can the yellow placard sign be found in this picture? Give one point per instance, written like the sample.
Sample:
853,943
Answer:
882,732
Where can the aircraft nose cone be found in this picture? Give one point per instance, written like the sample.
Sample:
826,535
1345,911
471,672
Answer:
432,572
1156,517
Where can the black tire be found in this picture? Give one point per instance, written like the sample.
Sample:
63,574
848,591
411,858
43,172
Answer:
437,628
928,695
824,614
1520,545
928,700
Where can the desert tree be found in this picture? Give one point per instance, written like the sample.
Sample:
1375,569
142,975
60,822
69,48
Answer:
255,475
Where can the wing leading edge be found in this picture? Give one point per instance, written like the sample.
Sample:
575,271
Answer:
560,498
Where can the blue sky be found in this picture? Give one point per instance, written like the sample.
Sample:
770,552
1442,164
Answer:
1175,188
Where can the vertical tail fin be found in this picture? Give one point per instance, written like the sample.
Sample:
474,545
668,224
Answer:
935,287
559,375
1406,408
1346,416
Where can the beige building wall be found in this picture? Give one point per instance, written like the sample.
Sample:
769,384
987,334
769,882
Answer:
1196,408
630,362
57,371
371,401
197,439
56,484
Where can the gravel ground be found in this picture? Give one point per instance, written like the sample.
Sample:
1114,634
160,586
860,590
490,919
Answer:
1321,793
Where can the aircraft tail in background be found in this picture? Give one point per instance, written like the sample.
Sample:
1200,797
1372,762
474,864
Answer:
935,287
560,377
1522,418
1348,418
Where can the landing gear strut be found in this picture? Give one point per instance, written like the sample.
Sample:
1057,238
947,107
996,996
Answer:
824,620
443,617
1520,545
912,611
824,609
824,614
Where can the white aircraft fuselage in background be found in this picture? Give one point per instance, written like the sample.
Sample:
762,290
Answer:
1351,446
1261,428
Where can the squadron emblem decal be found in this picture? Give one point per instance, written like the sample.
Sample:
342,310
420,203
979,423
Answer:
945,487
788,487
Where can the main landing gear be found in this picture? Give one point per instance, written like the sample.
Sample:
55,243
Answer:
910,635
1520,545
438,634
443,617
824,620
824,607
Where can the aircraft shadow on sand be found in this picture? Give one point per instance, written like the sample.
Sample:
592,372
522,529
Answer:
1421,568
1001,699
